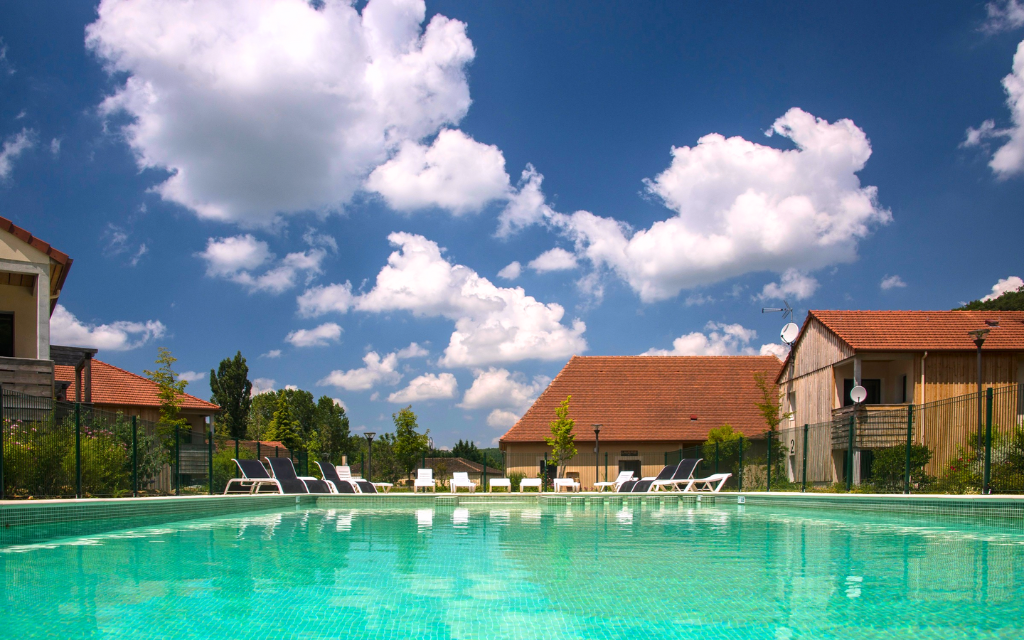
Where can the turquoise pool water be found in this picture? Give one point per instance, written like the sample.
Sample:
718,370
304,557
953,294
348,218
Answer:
524,572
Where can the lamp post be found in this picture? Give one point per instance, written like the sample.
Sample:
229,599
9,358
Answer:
597,449
979,339
369,451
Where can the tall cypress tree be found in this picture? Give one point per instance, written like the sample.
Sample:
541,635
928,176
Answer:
233,392
283,428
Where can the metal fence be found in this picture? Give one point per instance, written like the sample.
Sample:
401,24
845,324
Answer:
54,449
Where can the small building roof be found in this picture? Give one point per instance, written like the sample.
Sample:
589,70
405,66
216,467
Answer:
114,386
463,465
923,330
60,262
651,398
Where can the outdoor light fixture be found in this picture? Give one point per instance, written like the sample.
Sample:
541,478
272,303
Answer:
979,339
597,448
369,457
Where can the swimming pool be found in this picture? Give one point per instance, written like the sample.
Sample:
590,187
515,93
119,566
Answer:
524,571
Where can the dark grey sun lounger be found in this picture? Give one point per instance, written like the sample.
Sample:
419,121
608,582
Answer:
284,472
644,485
330,474
627,486
254,476
683,473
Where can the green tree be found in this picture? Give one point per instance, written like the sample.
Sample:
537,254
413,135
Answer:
409,445
562,440
233,392
303,410
261,414
283,426
1009,301
331,437
170,390
467,450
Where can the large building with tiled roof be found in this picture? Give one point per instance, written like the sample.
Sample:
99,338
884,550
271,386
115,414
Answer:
114,389
899,357
646,405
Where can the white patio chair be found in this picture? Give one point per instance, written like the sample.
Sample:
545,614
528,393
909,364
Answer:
623,476
460,480
424,478
526,483
500,482
708,484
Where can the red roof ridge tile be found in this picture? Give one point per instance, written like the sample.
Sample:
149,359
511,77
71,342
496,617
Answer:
190,401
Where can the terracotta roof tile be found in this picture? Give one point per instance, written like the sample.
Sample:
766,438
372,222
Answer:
651,398
921,330
114,386
43,247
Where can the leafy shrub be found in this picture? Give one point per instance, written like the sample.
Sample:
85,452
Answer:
515,478
889,466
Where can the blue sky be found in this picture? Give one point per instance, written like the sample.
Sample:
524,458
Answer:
391,203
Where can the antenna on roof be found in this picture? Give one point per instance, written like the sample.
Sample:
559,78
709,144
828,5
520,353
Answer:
790,331
787,311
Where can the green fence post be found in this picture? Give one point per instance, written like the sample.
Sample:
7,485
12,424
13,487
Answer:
177,461
544,474
362,469
424,462
988,440
277,453
236,448
910,436
606,466
135,456
484,483
3,433
259,452
849,455
803,486
716,457
78,450
209,460
739,486
769,483
666,458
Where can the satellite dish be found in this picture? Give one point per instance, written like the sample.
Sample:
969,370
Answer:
790,332
858,394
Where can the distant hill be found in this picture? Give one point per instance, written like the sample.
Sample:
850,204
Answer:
1009,301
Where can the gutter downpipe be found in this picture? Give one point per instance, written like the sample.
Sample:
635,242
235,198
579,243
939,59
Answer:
920,416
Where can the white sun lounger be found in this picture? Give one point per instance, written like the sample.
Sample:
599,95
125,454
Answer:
345,473
424,478
460,480
623,476
708,484
526,483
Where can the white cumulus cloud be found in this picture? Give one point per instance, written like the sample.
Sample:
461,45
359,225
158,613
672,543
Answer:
1004,285
511,271
426,387
1003,15
501,419
556,259
1008,160
273,353
492,324
740,207
13,147
236,258
498,388
793,284
66,329
262,385
892,282
455,173
259,107
376,371
414,350
191,376
720,340
319,337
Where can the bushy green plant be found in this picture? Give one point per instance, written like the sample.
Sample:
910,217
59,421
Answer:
515,478
889,466
963,473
